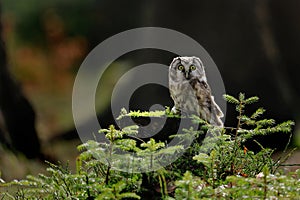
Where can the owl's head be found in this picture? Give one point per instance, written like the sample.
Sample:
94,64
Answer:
185,68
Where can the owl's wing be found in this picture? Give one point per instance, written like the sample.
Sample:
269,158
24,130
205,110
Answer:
219,112
208,109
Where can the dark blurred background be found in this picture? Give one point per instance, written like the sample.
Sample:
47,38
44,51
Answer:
255,45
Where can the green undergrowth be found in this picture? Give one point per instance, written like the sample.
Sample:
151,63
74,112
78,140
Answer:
218,166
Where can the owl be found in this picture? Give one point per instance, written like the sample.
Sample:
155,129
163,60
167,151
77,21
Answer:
190,91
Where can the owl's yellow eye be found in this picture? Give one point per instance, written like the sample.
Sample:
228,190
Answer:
180,67
192,67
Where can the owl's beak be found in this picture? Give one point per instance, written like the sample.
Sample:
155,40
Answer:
187,75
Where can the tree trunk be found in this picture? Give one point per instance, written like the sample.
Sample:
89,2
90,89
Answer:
18,114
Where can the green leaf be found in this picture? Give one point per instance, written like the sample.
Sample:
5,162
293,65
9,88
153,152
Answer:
285,127
203,158
240,108
251,100
152,146
129,195
197,120
265,122
241,97
266,170
130,130
127,144
244,118
230,99
257,113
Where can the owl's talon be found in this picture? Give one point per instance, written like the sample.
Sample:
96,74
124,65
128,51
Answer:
175,111
179,112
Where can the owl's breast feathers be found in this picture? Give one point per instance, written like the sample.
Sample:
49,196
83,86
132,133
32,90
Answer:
202,89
